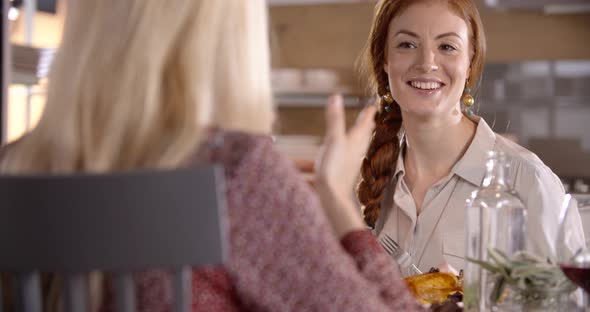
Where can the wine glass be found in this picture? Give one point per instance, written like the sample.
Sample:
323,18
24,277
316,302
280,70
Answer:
572,248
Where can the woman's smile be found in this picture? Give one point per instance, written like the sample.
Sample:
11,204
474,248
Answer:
426,86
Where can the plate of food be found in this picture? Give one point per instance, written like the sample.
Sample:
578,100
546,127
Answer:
437,288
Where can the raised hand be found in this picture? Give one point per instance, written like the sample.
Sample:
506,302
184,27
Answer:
339,162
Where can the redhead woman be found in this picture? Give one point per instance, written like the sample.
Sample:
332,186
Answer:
428,150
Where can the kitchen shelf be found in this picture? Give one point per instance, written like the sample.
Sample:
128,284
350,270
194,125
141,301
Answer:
318,100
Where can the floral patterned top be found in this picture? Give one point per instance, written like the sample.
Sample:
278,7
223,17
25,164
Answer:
283,253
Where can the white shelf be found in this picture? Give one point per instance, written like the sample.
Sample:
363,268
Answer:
317,100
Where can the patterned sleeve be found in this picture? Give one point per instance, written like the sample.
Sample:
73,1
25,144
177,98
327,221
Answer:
284,255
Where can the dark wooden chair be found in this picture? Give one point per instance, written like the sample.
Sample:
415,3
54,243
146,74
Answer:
116,223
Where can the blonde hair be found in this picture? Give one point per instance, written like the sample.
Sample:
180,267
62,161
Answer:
136,83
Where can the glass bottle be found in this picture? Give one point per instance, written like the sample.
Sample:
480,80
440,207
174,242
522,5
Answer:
495,219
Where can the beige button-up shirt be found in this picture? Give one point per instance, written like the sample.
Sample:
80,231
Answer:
437,235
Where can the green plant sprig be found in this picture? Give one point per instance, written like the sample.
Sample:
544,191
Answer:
532,278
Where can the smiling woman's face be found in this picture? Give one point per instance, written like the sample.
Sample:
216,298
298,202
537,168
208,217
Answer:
427,59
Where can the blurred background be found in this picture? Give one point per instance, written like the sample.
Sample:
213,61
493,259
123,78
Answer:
535,90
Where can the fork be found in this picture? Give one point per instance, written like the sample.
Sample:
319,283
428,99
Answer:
400,256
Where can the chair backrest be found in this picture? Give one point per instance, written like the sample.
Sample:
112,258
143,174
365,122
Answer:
120,223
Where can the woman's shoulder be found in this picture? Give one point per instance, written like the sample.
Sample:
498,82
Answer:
235,141
517,152
526,167
233,147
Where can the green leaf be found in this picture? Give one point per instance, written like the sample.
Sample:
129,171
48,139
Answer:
532,278
498,256
498,289
488,266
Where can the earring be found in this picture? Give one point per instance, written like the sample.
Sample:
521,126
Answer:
388,98
467,100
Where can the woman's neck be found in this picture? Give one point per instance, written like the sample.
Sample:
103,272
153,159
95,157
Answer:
434,146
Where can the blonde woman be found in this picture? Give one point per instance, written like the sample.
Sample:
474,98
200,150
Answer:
160,84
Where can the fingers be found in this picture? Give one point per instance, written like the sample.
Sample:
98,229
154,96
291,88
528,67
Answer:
365,124
335,121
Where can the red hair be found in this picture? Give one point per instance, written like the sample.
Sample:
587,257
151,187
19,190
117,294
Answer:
380,161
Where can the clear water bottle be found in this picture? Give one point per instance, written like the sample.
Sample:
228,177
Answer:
495,219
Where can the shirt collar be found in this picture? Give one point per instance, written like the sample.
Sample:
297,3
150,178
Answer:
470,167
400,170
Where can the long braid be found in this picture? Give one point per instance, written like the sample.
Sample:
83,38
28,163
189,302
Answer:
380,161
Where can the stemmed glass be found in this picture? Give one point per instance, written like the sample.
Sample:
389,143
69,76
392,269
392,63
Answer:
572,249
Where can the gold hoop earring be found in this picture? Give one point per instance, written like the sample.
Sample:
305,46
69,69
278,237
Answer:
387,97
467,100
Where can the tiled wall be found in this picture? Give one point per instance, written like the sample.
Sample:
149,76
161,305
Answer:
546,106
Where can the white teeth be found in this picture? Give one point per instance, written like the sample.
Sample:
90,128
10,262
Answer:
425,85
